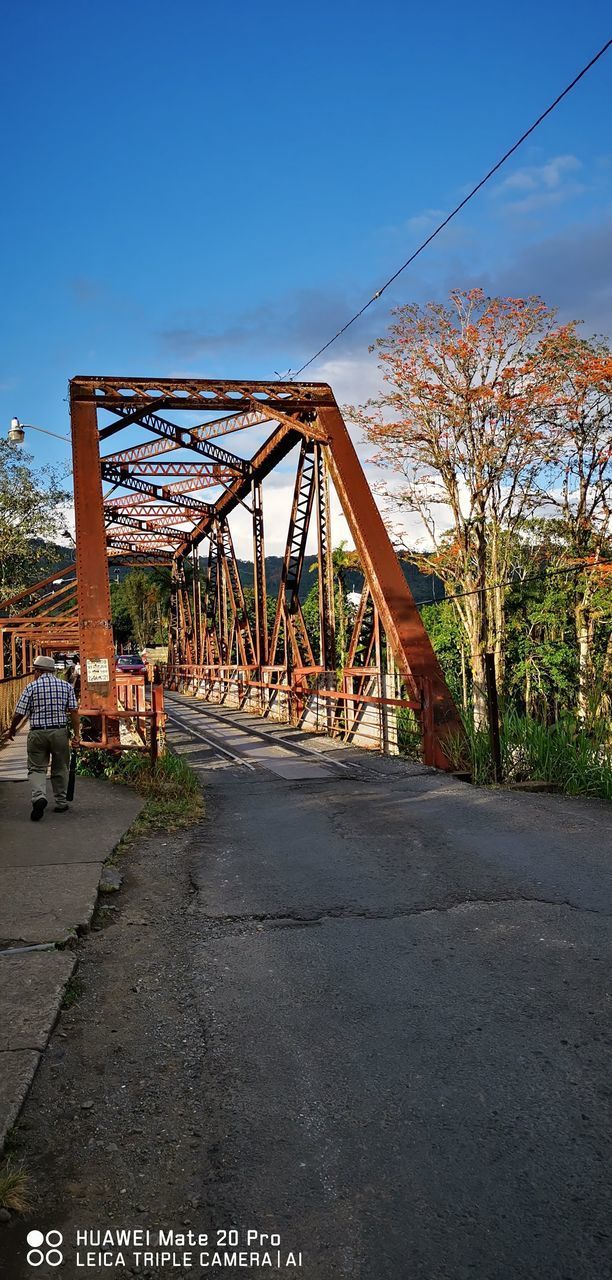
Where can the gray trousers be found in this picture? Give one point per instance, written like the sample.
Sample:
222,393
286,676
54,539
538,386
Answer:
45,744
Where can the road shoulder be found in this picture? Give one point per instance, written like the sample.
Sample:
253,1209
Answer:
49,877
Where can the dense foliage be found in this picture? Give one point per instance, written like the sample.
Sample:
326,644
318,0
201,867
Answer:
493,417
31,516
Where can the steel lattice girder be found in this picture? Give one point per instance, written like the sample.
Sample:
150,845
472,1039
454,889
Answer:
122,518
120,476
184,439
127,394
219,427
206,473
305,410
135,548
178,487
141,540
153,511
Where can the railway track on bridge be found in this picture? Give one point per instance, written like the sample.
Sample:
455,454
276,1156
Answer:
268,752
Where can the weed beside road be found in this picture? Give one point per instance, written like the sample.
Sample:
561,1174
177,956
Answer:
574,757
15,1188
172,794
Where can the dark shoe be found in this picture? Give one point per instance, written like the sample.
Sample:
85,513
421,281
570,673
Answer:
38,808
61,808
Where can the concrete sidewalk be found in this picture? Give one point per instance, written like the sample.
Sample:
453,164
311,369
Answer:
49,876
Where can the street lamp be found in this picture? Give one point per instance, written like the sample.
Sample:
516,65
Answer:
17,430
16,433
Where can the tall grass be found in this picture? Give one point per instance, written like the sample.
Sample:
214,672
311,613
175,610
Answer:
15,1188
172,793
574,757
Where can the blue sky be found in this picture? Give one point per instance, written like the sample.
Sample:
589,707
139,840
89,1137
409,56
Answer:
191,189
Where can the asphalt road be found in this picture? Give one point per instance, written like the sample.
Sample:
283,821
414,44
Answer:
360,1005
406,988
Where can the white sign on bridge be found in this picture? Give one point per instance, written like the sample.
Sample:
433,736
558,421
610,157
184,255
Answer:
97,671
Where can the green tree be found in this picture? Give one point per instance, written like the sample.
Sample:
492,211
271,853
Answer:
550,584
448,639
31,516
137,598
581,484
342,562
465,427
122,621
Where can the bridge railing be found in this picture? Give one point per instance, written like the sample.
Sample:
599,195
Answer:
362,712
138,724
10,692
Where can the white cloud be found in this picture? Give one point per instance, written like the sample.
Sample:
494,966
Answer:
353,379
277,508
538,186
531,177
67,523
424,221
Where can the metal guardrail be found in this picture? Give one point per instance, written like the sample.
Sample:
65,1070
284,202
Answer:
101,729
358,713
10,692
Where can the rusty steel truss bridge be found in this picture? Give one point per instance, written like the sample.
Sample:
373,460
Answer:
149,490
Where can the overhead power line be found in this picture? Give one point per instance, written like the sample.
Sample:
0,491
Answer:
514,582
455,211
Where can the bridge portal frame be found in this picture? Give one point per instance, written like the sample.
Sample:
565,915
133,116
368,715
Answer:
301,412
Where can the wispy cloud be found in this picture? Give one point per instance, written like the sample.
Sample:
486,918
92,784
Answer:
424,221
282,323
571,270
539,186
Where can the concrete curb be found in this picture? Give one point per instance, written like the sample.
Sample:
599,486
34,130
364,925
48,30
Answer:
32,986
49,885
57,902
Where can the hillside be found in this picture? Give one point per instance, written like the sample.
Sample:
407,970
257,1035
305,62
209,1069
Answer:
423,586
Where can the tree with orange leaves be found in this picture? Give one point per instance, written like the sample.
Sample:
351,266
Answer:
581,485
465,426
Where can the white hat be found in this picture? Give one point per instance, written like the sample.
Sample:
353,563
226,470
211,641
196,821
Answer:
44,663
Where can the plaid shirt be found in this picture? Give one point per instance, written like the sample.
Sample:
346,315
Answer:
47,701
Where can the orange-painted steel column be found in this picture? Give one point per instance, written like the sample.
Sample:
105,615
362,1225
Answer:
259,579
98,684
400,617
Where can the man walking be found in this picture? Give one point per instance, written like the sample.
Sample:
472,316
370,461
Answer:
48,702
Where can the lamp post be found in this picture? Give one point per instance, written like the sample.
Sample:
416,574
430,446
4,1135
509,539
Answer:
17,430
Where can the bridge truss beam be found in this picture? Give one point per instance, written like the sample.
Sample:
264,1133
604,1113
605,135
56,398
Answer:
216,619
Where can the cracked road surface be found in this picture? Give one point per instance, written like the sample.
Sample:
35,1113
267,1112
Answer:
366,1007
407,984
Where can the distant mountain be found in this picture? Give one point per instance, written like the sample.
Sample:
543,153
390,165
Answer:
424,586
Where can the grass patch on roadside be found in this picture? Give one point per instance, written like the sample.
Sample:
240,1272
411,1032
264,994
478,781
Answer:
575,758
72,991
172,793
15,1188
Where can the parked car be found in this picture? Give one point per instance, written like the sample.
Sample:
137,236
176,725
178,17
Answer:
131,664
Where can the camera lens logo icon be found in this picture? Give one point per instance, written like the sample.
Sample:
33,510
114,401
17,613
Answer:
45,1248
